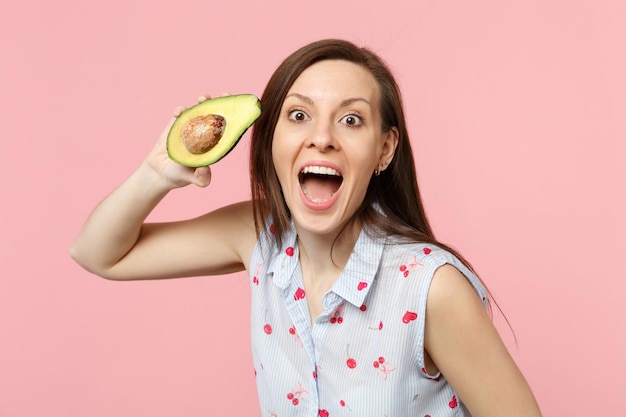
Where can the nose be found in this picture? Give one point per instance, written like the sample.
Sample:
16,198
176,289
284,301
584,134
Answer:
322,137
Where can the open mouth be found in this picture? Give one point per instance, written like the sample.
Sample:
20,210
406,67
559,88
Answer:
319,183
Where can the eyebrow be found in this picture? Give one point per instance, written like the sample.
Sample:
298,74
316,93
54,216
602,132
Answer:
344,103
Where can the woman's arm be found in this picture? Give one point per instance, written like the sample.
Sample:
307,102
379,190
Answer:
464,345
116,244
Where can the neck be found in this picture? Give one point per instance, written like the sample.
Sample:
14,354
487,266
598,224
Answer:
324,256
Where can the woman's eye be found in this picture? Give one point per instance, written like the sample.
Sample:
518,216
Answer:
351,120
297,115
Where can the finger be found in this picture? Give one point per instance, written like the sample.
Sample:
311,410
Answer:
202,176
204,97
178,111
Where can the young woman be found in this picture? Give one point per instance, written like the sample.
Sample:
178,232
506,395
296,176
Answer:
356,308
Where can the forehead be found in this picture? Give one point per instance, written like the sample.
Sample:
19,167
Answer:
338,79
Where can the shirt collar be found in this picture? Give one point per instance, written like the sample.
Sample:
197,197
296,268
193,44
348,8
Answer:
356,279
284,260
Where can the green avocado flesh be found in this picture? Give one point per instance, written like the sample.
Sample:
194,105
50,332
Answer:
234,115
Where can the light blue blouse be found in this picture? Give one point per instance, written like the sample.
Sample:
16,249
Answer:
365,354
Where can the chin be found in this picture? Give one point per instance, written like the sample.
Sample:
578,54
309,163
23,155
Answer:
328,222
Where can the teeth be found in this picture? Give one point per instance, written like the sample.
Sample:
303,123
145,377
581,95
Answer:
314,169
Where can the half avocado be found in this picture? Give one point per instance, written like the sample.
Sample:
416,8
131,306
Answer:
207,132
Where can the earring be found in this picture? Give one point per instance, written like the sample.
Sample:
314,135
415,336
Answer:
380,168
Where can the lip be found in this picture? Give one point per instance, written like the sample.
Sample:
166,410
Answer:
327,204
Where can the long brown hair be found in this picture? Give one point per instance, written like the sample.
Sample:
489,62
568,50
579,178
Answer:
395,190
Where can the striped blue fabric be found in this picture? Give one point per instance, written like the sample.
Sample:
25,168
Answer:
364,356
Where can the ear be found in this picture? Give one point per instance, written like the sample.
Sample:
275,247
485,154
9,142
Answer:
390,143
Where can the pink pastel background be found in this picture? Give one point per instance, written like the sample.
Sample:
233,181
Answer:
518,118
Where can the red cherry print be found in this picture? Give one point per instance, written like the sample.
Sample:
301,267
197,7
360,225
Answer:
314,375
336,316
351,362
362,285
427,251
289,251
453,403
408,317
292,330
257,270
299,295
410,266
323,413
272,228
342,403
385,368
267,328
295,394
363,307
380,326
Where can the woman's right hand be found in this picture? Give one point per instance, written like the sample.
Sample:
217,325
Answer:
117,243
172,173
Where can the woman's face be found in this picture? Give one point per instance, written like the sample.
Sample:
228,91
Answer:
327,143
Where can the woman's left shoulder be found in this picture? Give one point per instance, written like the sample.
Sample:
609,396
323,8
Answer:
427,255
437,264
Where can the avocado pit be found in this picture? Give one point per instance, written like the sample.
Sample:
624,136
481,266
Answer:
202,133
212,128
